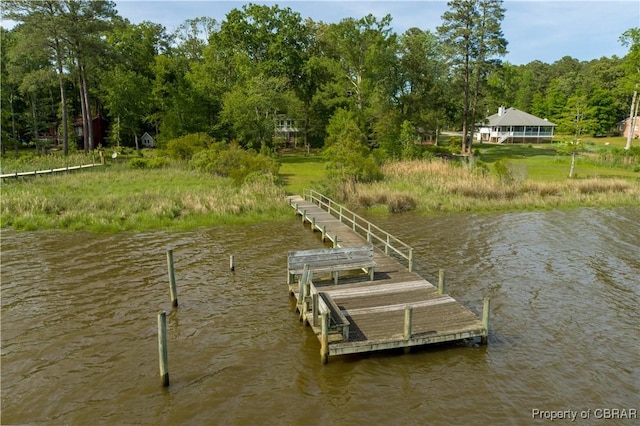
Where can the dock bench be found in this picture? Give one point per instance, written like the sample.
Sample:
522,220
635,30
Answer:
331,261
337,321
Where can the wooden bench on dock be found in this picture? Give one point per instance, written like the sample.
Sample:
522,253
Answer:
337,321
331,261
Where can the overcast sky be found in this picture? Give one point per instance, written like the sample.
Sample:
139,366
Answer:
535,29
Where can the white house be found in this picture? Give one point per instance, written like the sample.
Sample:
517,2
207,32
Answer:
513,125
147,140
287,130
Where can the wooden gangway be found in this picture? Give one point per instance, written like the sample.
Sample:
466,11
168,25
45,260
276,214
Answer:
397,309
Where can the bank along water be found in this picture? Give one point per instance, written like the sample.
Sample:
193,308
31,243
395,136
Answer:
79,326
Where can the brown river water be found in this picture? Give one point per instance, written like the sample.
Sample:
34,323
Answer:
79,327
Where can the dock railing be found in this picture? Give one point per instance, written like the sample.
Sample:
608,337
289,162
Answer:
360,225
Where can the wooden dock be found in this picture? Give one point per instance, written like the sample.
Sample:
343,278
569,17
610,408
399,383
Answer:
397,309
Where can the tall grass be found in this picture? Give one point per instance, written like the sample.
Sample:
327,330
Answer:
30,162
440,186
109,200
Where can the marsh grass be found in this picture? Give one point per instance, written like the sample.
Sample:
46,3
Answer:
115,200
440,186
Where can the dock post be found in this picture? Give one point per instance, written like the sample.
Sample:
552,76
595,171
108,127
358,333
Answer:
162,348
232,263
314,306
386,247
301,290
172,279
485,319
441,283
324,339
313,224
324,232
304,213
408,314
410,260
335,241
369,233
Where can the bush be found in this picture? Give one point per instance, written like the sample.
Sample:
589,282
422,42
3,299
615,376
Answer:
185,147
234,162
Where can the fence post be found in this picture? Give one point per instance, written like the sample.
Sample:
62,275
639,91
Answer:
162,348
441,282
386,248
172,279
232,263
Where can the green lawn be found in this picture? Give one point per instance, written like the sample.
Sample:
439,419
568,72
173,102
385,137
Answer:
300,170
541,162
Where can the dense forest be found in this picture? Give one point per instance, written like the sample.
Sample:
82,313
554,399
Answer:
68,61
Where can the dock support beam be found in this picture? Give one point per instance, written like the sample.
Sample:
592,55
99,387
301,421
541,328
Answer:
485,319
324,339
441,283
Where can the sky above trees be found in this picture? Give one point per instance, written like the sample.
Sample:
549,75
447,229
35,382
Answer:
536,29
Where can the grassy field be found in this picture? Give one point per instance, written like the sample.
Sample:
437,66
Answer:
117,197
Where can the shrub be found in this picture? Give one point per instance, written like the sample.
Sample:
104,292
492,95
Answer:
185,147
234,162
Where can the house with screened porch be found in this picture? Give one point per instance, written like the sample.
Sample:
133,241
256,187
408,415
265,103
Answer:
510,125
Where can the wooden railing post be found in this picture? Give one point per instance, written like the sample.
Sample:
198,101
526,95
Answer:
324,338
410,260
441,282
314,305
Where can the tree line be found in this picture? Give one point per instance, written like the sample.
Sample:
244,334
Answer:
67,61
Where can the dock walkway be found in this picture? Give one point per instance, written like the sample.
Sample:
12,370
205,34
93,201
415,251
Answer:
397,309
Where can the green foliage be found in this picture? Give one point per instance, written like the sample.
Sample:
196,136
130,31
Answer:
185,147
408,139
234,162
348,157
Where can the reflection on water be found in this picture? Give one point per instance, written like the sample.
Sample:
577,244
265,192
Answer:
79,341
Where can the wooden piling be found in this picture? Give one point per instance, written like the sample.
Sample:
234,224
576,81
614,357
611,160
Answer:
162,349
485,319
315,303
302,287
172,279
441,282
408,318
324,338
232,263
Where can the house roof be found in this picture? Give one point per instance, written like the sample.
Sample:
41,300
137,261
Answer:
515,117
